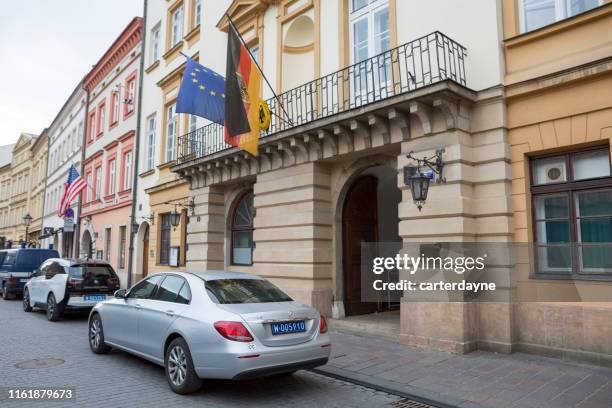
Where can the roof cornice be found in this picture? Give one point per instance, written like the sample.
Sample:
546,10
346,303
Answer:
127,40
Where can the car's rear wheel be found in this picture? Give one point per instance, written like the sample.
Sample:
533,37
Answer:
96,336
27,307
180,373
53,309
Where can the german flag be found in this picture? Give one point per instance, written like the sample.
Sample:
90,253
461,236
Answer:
242,96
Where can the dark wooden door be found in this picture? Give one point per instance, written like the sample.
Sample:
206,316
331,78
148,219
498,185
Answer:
360,224
145,253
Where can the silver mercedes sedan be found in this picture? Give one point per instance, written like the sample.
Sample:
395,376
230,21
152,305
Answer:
223,325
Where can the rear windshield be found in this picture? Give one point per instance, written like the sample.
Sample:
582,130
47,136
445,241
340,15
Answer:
91,271
227,291
9,258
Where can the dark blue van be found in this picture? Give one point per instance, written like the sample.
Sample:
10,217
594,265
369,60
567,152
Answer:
17,265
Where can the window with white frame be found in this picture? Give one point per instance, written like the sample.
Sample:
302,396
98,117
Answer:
89,181
150,148
171,125
539,13
80,134
131,86
154,52
127,170
101,119
369,26
111,176
115,102
177,26
370,35
198,12
98,182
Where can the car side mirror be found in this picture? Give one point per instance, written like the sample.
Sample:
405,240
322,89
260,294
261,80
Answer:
120,293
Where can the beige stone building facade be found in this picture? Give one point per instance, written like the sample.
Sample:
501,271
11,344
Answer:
16,189
329,173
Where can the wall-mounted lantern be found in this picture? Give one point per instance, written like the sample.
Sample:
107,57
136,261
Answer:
418,180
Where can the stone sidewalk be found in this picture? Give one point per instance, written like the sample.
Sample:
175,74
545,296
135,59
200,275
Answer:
478,379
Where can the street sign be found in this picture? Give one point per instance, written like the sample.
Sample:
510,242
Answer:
68,225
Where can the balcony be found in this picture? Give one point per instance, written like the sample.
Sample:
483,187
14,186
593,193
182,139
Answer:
417,64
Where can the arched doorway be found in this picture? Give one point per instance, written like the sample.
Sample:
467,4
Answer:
369,214
86,245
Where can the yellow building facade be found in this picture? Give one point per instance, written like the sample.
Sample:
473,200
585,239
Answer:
559,113
39,155
16,190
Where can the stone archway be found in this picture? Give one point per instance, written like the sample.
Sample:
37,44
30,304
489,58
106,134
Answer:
86,245
381,227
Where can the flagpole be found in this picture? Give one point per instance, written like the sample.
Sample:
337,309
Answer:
258,67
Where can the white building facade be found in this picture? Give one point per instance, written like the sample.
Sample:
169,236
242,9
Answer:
66,134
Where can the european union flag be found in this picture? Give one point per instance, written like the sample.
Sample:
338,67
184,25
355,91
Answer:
202,93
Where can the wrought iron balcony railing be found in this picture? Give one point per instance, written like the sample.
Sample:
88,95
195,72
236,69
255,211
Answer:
430,59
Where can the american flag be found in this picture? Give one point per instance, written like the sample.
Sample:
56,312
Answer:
72,188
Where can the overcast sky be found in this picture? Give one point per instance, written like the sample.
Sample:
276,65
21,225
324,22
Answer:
46,47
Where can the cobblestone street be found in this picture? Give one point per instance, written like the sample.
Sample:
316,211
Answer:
121,380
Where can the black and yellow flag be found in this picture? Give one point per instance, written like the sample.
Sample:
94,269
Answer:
243,96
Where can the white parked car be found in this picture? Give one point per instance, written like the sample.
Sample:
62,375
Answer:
59,285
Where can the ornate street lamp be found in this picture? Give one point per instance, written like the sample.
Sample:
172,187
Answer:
175,218
27,219
418,181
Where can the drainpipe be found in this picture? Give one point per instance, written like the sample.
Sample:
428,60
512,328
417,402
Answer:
45,189
137,143
76,244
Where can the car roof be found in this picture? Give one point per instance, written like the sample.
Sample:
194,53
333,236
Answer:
79,261
214,275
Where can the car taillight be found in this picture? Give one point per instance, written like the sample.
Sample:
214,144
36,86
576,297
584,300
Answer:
234,331
322,324
114,282
12,280
74,283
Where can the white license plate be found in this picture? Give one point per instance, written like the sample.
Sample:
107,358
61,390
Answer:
23,280
94,298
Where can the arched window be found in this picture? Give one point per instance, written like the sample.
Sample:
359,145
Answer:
242,231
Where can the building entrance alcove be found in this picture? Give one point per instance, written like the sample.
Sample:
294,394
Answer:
86,245
369,214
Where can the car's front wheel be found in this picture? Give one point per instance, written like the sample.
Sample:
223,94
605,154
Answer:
179,368
27,307
96,336
53,309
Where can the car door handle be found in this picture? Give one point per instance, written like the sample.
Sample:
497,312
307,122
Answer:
137,306
170,312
